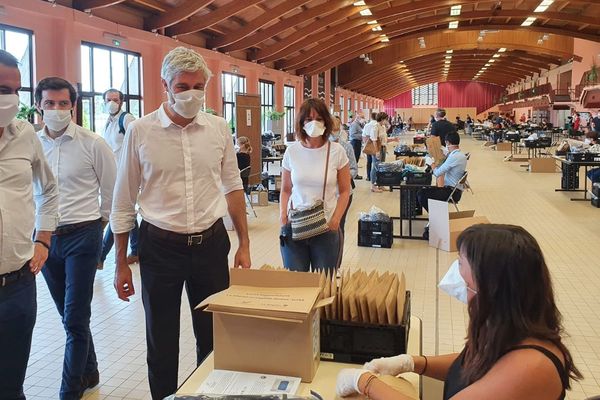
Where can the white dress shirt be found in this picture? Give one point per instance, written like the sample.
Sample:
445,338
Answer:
25,177
379,132
183,173
84,167
111,132
369,128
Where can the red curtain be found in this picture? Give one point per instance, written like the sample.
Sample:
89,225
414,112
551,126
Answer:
455,94
402,101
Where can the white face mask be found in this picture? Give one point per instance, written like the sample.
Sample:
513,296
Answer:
188,103
587,141
314,128
9,107
453,283
445,150
57,120
111,107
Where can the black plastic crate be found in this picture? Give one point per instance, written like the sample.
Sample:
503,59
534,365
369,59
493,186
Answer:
375,227
274,196
388,178
513,137
409,205
596,189
575,156
570,177
357,343
544,142
595,201
418,140
592,156
418,178
383,241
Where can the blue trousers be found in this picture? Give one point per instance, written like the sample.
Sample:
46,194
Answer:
316,253
594,175
375,163
109,240
69,272
18,309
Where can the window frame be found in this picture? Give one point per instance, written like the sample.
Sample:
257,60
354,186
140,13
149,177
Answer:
425,95
30,34
231,122
290,110
91,94
265,107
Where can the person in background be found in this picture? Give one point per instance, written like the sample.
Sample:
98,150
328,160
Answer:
379,135
302,185
367,133
85,170
469,125
335,137
523,118
184,162
441,127
596,122
515,339
29,204
114,133
452,170
591,138
355,135
576,123
243,159
409,124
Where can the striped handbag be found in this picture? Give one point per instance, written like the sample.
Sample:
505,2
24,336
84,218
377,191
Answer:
311,222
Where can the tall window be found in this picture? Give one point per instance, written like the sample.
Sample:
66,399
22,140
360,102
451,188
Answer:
103,68
231,84
426,95
342,108
267,102
348,110
362,105
289,104
18,42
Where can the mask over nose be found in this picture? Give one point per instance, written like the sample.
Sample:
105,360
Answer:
111,107
188,103
57,120
9,107
314,129
453,283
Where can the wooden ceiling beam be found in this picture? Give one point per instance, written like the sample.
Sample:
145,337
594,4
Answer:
286,23
176,15
257,23
331,62
212,18
89,5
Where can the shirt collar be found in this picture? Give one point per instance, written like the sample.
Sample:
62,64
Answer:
116,116
70,131
165,121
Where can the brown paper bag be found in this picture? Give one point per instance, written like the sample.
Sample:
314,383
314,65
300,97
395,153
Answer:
391,302
401,298
333,292
360,280
380,296
326,293
364,294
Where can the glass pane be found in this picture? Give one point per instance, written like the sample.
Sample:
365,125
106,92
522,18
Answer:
134,74
118,71
100,117
17,44
101,70
25,97
86,105
134,108
86,83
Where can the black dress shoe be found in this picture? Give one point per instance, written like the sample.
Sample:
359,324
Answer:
89,381
358,177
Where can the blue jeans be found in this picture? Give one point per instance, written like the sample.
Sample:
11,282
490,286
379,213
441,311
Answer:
317,253
69,272
109,240
375,163
594,175
18,309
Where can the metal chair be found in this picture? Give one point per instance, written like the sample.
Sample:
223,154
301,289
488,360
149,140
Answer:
466,186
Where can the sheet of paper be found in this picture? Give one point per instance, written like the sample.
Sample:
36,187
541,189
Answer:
244,383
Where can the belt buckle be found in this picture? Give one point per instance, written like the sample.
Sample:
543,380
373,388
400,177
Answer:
3,281
194,240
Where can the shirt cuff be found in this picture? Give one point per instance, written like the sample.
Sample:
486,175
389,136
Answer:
45,222
121,224
232,188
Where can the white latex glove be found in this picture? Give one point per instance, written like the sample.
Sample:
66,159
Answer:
391,365
347,381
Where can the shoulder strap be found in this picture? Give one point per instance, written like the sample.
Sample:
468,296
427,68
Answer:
564,377
326,168
122,122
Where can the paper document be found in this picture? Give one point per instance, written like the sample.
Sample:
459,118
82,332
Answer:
243,383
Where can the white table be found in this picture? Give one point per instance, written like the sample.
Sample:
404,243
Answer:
325,378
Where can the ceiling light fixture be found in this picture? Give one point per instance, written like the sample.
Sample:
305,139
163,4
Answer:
360,3
529,21
376,29
365,12
374,22
453,25
455,10
449,51
448,57
543,6
502,50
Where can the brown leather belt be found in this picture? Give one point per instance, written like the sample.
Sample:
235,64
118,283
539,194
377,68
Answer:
65,229
186,239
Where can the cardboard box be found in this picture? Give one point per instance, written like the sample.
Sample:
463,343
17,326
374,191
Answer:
259,198
445,226
546,164
503,146
268,322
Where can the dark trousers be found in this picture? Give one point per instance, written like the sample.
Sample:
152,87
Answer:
69,272
18,309
437,193
594,175
109,239
357,147
165,267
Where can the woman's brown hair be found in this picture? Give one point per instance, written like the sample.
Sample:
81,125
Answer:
514,299
319,106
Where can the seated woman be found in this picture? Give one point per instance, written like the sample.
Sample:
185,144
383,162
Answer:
514,347
243,159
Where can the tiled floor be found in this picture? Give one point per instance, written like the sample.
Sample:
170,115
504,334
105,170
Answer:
567,231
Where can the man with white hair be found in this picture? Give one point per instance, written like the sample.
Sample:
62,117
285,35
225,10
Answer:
184,162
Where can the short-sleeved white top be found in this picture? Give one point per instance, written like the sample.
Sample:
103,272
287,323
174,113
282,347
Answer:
307,167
